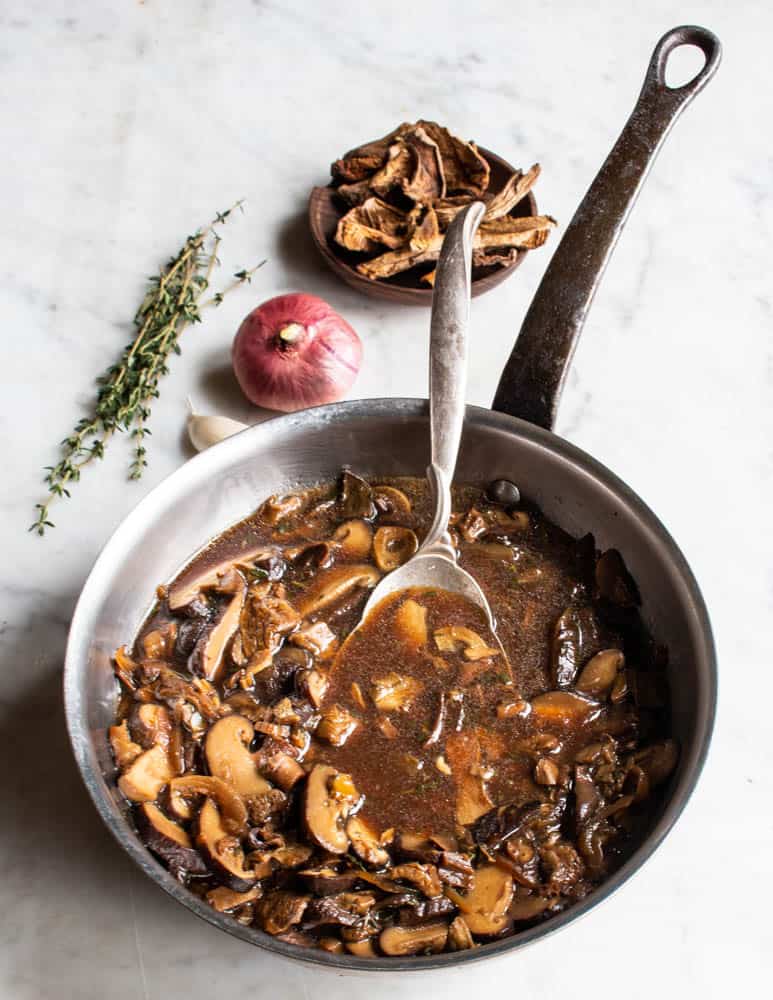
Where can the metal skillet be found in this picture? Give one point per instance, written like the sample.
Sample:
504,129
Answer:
388,437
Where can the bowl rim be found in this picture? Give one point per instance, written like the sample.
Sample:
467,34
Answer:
97,784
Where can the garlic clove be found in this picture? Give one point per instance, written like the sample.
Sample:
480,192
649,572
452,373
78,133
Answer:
204,430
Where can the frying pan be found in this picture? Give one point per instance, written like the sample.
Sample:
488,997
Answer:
387,437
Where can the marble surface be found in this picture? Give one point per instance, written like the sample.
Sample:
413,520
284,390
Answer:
124,125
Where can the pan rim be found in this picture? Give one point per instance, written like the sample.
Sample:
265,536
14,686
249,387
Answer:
317,418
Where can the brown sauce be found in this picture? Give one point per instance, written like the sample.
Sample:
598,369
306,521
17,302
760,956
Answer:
531,776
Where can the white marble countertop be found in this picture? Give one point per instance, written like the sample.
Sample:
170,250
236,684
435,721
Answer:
124,125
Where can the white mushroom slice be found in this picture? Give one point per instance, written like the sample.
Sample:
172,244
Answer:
147,775
228,756
392,546
395,692
333,584
474,646
354,538
224,852
125,750
400,940
411,622
329,798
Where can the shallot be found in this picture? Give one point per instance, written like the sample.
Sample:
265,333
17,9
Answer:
295,351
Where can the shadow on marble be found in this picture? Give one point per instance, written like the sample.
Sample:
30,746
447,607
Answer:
296,249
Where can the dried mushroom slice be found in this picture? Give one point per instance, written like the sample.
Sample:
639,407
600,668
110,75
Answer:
361,162
425,181
373,224
513,192
465,169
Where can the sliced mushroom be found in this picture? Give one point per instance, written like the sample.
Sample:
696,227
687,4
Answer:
124,668
333,584
125,750
147,775
392,546
658,761
354,538
159,643
151,724
228,756
336,725
311,556
390,500
355,496
598,676
464,756
222,850
563,708
395,692
168,840
312,685
475,648
572,632
326,881
225,900
282,768
411,622
484,908
529,907
232,813
208,656
184,592
423,876
316,637
329,798
365,842
459,937
437,729
401,940
278,508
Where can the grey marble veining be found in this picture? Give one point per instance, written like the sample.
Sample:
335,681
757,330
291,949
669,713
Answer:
126,124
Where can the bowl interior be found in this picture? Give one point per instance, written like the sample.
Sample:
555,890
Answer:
376,437
326,209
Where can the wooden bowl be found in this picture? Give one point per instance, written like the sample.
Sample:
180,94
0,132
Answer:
325,209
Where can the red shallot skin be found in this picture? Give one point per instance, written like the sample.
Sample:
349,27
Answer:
295,351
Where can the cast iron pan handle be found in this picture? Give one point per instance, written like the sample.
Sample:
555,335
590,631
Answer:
534,375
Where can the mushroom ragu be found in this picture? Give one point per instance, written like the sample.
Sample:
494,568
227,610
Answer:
398,790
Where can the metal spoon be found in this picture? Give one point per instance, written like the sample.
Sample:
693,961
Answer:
434,564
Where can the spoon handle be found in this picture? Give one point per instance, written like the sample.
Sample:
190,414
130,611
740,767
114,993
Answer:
448,362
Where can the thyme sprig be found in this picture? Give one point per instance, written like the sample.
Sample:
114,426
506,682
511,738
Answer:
174,301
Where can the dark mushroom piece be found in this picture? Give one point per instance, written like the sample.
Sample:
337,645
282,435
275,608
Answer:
208,656
574,629
424,911
355,497
168,840
222,850
613,581
281,910
598,676
504,492
459,937
327,881
333,584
